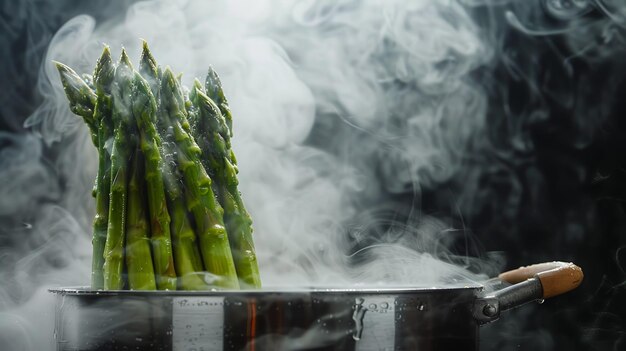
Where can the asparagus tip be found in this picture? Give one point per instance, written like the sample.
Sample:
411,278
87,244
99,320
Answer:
75,87
197,85
105,57
213,86
213,78
106,51
104,71
146,54
124,59
168,75
62,68
212,72
148,66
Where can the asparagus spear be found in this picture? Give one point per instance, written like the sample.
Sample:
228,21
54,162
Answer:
201,201
215,92
82,98
138,256
114,247
186,255
144,109
103,77
212,132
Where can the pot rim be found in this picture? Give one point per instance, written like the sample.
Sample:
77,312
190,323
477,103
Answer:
273,291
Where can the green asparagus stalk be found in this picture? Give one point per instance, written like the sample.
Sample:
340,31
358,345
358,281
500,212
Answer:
144,109
81,97
193,117
200,198
186,254
211,130
187,257
114,246
103,77
138,255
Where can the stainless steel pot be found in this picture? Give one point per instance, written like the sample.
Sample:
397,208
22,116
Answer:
317,319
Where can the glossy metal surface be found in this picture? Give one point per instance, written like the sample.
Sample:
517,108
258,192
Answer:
322,319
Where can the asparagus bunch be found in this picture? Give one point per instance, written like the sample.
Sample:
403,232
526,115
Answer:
168,212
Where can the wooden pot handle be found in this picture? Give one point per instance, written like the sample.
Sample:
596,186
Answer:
556,277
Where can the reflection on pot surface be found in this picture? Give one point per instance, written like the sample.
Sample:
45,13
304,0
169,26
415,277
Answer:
428,319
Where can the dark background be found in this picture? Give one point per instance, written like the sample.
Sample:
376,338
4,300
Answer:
568,103
552,188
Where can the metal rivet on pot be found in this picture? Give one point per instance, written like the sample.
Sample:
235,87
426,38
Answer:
490,310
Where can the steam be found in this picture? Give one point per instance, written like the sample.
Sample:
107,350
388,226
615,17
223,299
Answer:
403,84
338,106
387,81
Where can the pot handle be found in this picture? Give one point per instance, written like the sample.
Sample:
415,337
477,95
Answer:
531,283
556,277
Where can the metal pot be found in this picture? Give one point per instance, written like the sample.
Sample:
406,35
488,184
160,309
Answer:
317,319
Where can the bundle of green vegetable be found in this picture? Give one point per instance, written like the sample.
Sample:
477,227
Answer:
169,214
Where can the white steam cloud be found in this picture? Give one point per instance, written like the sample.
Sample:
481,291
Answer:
387,82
